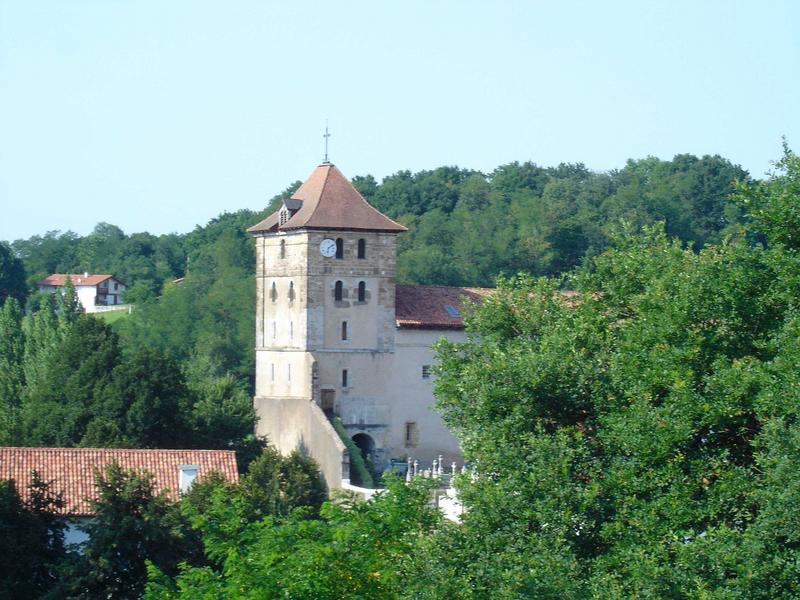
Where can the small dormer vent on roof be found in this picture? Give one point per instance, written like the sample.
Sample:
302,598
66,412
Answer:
452,310
186,476
289,207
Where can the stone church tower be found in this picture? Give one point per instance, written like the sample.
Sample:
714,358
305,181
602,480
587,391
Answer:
326,330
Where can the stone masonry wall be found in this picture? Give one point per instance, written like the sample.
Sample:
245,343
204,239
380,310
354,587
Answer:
299,322
296,423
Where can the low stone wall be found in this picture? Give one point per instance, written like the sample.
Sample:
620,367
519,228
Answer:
292,423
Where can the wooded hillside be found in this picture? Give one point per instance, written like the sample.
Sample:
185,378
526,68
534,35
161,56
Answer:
465,228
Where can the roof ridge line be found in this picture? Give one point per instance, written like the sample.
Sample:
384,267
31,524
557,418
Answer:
81,449
321,190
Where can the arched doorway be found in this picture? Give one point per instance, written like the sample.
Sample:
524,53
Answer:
366,446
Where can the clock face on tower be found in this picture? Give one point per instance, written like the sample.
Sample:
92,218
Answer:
327,247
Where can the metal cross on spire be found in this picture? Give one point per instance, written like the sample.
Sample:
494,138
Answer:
326,135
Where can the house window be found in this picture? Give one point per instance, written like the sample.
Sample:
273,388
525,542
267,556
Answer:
362,291
186,476
362,248
273,294
344,330
283,248
339,248
291,291
412,434
426,371
337,291
283,215
344,378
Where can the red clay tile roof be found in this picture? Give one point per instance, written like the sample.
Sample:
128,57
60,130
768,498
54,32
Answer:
59,279
329,201
71,470
426,306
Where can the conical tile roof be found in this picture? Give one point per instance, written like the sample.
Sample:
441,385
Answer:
329,201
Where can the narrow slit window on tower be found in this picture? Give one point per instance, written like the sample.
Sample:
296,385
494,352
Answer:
283,248
412,434
362,248
273,294
362,291
272,372
337,291
274,329
291,291
339,248
344,330
344,378
291,330
289,372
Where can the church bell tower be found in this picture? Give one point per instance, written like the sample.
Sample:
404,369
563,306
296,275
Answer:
325,313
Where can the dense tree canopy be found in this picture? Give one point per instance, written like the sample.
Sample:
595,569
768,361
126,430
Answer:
32,551
133,523
353,550
12,276
638,437
636,440
465,228
66,380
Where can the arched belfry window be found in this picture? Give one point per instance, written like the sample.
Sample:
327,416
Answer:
362,248
273,294
283,248
362,291
337,291
339,248
291,291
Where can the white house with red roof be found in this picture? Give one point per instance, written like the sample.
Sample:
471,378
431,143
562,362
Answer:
93,290
337,338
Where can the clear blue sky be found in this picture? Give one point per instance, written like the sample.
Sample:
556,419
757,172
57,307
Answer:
157,116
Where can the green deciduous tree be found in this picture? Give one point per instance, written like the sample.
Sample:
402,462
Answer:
635,440
222,414
354,550
60,398
275,485
773,206
147,401
12,374
32,552
12,276
132,524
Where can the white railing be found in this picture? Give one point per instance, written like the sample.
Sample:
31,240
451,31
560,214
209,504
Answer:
113,308
445,496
